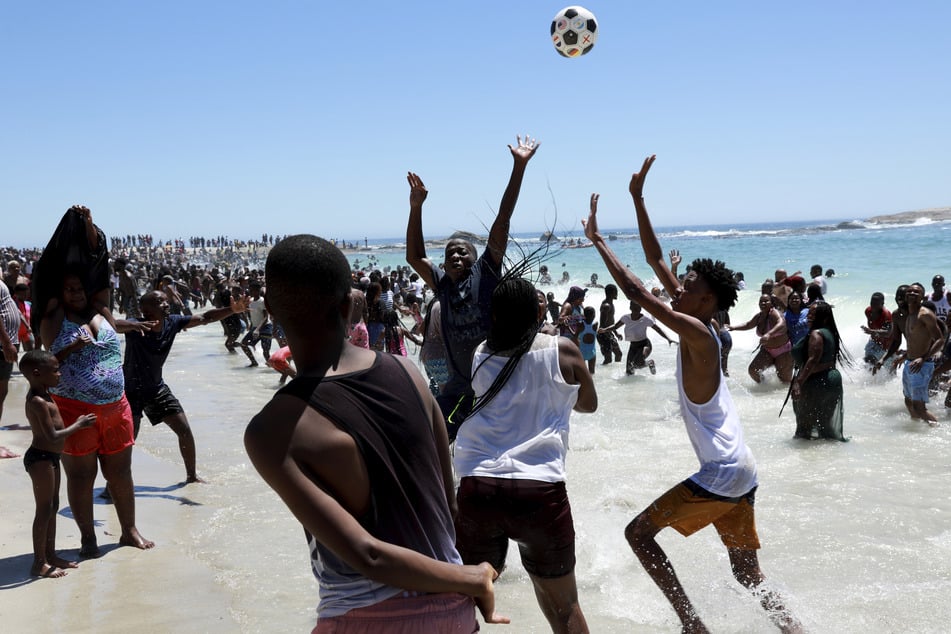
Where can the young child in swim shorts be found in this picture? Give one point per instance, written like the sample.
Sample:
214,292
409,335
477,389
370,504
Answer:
41,460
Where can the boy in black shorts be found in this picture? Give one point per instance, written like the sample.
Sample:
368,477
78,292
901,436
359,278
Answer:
145,355
41,460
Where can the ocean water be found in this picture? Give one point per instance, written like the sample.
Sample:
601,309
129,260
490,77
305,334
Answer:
857,535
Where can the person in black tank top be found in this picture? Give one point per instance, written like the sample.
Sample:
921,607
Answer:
357,449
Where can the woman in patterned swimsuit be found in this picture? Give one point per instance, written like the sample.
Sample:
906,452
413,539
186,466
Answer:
87,348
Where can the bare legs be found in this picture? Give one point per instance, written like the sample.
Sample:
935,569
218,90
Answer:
46,482
558,599
81,476
763,359
640,534
919,411
186,442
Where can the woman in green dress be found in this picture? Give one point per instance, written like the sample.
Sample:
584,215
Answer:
817,387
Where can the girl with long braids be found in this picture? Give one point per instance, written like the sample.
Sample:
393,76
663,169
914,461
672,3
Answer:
817,388
510,453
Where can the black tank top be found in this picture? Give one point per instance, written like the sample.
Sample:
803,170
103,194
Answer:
382,410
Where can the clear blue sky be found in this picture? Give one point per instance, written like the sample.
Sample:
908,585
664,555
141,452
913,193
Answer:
199,118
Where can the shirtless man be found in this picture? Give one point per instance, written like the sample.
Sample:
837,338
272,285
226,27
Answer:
722,492
924,343
899,317
373,490
606,338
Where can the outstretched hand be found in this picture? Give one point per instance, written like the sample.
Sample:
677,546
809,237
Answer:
675,258
637,179
524,149
417,191
143,326
240,304
486,601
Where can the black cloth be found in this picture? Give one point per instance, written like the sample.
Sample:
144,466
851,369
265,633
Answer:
382,410
68,252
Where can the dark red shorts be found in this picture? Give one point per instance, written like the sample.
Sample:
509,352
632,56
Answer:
535,515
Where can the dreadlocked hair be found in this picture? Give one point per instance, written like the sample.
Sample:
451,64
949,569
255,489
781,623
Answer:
514,326
719,278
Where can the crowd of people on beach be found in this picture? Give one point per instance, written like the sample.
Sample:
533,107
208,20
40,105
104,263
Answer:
358,443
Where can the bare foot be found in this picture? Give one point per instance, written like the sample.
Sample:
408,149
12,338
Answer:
133,538
195,478
89,549
59,562
933,423
46,570
6,453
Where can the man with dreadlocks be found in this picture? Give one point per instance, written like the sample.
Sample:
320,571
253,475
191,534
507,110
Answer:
357,449
465,287
722,491
510,453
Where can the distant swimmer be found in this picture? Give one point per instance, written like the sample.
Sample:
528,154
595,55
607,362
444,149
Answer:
723,491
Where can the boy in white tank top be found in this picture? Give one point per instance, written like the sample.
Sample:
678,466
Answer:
722,491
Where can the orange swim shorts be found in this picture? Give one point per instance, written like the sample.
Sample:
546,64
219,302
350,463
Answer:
111,434
688,508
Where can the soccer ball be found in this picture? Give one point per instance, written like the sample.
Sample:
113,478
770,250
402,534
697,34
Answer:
574,31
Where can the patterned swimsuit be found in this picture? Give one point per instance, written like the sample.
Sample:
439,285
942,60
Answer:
94,374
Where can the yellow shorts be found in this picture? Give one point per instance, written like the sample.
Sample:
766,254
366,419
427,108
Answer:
688,508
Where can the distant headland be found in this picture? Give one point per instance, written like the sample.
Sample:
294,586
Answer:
908,217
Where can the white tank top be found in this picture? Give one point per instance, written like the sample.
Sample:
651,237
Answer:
522,433
727,466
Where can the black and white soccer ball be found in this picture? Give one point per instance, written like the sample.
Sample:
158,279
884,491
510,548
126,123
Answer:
574,31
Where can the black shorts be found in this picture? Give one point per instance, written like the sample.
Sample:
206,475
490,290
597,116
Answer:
536,515
6,369
157,408
34,455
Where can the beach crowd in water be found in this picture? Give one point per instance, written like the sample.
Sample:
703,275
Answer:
358,443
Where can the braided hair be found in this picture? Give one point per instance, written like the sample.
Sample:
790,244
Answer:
514,326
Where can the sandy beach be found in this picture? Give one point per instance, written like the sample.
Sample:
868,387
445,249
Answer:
165,587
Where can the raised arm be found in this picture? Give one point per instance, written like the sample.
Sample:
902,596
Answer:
238,305
652,250
499,234
415,244
688,328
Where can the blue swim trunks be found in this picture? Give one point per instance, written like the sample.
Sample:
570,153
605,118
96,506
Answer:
915,384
